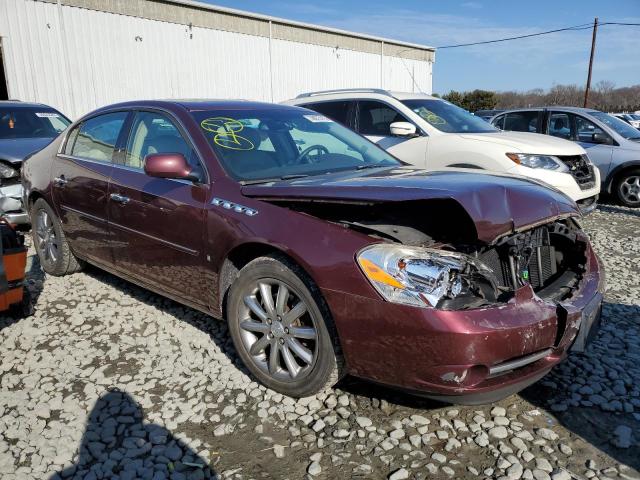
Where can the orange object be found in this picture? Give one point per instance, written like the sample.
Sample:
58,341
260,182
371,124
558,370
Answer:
14,261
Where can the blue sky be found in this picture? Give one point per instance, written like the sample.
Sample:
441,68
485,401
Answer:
539,62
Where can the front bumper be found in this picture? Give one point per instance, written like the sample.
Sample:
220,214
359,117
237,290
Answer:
11,204
466,356
561,181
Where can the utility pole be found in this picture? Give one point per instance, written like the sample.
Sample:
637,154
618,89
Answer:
593,49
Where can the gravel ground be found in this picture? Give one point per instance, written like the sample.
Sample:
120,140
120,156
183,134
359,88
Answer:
107,380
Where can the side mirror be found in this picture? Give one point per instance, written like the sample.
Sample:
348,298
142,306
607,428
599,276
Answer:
403,129
600,138
168,165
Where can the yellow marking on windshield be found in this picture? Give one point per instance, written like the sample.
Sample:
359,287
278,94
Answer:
226,133
431,117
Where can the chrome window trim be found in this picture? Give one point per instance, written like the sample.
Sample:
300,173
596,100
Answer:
123,167
134,109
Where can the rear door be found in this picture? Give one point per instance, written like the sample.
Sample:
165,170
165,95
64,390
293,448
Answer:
374,119
158,223
80,176
529,121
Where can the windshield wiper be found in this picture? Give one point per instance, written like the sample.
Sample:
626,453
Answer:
363,167
294,176
269,180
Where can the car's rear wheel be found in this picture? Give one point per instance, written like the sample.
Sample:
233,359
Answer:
628,188
50,242
282,328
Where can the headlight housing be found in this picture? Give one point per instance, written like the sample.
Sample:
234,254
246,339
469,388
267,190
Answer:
548,162
414,275
7,172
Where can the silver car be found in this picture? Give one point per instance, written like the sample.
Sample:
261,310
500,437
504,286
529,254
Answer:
612,144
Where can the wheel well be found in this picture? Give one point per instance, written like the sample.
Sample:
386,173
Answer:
238,258
620,171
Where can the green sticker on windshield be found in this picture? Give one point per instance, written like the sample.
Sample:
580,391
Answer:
431,117
226,132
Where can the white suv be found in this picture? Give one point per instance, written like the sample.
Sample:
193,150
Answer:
432,133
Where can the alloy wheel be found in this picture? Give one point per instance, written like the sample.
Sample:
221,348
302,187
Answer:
630,189
278,330
46,239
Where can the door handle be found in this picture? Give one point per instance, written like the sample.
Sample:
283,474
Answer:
60,181
116,197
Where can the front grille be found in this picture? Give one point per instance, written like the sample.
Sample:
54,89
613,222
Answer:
581,169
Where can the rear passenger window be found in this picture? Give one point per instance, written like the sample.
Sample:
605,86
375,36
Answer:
375,118
337,111
71,140
97,137
521,122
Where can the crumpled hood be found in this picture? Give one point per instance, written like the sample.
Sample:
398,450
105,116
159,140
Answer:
15,150
497,204
523,142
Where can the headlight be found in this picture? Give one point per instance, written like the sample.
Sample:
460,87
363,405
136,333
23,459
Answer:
413,275
548,162
7,172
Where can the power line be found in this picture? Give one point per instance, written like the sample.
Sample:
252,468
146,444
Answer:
584,26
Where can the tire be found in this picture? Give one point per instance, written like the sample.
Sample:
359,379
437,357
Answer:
627,188
318,365
50,242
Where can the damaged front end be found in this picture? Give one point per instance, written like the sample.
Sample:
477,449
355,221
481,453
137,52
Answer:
11,206
430,255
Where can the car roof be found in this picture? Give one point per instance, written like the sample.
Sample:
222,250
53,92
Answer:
553,107
362,93
195,104
19,104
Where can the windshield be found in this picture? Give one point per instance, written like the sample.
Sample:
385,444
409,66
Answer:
268,144
31,122
446,117
619,126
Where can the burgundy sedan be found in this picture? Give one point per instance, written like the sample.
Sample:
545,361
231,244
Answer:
323,253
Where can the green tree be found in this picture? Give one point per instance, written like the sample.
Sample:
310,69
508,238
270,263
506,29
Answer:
479,100
454,97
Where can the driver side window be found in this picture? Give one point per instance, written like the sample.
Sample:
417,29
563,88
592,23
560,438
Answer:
154,133
375,118
586,129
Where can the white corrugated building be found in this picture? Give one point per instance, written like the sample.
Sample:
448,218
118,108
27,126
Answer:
77,55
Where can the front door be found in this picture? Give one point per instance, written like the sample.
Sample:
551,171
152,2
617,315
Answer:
158,223
577,128
374,121
80,183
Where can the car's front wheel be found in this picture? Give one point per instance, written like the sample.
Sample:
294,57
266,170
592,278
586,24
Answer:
50,242
628,188
282,328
